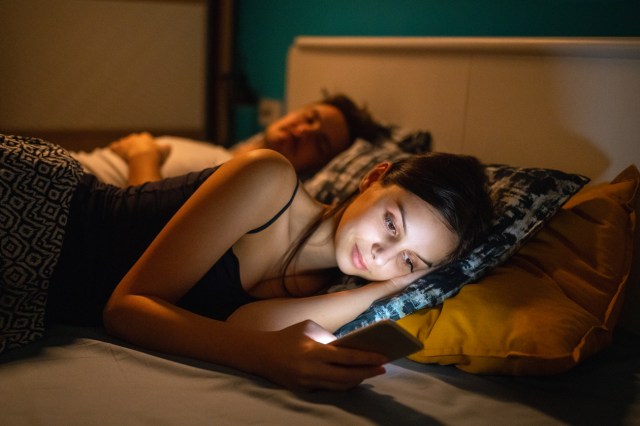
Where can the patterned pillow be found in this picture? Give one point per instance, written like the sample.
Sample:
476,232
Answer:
416,142
341,176
524,200
554,303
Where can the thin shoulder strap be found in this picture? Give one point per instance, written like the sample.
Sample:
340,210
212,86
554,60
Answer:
274,218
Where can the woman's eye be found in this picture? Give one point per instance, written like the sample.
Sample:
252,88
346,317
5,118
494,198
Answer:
389,223
407,261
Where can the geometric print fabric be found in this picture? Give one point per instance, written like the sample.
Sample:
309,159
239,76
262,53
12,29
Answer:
37,181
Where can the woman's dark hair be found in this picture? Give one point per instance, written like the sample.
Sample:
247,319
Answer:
360,122
455,185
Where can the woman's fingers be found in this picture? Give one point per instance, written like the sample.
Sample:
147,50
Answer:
341,378
298,361
403,281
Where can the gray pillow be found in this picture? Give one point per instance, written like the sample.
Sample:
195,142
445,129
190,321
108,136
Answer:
341,176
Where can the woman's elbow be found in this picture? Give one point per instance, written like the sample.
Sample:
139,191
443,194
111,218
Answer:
114,317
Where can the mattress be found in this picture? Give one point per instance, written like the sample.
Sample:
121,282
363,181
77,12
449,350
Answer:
80,376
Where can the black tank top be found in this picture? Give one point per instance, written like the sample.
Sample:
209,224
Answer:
211,299
109,228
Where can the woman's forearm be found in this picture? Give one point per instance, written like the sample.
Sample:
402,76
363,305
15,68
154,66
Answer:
293,357
155,324
330,310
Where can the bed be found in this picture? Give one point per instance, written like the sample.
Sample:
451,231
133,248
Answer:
559,104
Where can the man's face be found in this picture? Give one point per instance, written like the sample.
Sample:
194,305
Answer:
309,137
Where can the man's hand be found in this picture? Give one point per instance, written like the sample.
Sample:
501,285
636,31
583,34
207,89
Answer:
137,144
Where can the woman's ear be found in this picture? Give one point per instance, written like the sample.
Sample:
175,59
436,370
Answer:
374,175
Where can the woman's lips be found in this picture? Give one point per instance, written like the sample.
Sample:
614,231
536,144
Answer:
357,259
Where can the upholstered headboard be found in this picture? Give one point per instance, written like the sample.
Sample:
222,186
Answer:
571,104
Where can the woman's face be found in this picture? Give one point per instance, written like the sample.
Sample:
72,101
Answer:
388,232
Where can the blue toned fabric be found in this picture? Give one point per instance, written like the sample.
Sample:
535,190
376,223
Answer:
37,181
524,201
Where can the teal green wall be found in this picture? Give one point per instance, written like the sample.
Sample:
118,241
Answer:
266,28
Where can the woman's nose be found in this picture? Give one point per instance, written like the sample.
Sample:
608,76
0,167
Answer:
380,253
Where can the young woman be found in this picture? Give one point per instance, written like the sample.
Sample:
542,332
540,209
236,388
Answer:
228,265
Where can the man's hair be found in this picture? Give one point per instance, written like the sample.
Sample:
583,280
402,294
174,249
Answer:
360,122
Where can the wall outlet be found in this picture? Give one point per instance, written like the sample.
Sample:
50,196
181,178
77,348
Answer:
269,110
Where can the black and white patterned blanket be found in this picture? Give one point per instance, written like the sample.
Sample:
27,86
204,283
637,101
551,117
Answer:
37,181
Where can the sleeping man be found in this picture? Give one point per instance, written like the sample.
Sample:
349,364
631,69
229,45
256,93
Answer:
309,137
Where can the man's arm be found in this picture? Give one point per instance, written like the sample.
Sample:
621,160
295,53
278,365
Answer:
143,156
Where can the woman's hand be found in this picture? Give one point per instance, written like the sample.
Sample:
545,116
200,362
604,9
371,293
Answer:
295,358
398,284
303,360
383,289
330,310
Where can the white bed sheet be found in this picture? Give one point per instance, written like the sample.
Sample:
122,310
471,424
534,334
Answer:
80,376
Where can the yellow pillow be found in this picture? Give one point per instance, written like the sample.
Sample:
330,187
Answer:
553,304
630,316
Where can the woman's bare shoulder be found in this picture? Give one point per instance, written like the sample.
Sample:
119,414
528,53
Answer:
263,179
264,171
263,164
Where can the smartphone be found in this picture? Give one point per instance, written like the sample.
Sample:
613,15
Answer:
384,337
